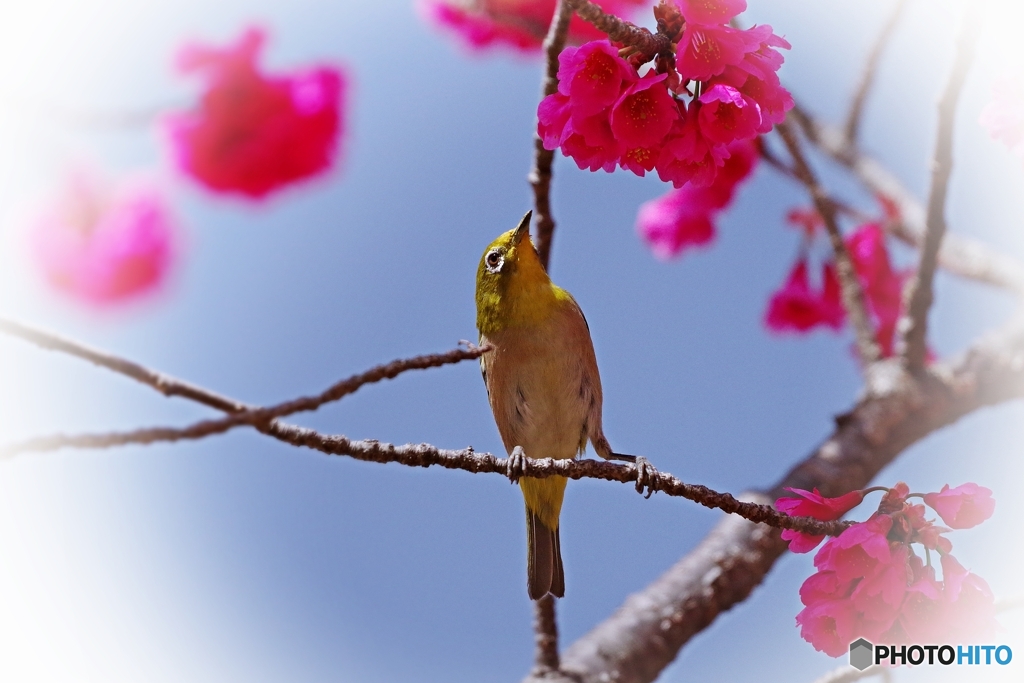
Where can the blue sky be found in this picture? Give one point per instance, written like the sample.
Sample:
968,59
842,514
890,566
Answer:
238,558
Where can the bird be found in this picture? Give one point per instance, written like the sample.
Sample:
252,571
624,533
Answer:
543,387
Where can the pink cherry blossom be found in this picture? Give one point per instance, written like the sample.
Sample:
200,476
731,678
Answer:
711,12
728,115
684,218
807,219
644,113
965,506
105,246
813,504
798,307
705,51
1003,116
252,133
593,76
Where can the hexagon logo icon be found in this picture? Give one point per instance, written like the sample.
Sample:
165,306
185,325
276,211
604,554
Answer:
861,654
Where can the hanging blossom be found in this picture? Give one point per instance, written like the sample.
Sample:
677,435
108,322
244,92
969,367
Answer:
798,307
870,581
1003,116
252,133
103,245
520,24
685,218
682,115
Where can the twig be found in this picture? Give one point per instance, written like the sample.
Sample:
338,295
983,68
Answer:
166,385
545,629
914,324
853,294
258,417
959,255
646,43
867,78
540,175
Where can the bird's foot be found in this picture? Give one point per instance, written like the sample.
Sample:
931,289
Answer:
646,474
516,464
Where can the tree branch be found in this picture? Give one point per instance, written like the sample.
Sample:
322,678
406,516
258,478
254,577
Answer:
545,629
853,294
914,324
847,674
965,257
415,455
646,633
540,175
867,77
253,417
646,43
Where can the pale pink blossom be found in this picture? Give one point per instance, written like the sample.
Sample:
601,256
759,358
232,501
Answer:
105,245
1003,116
965,506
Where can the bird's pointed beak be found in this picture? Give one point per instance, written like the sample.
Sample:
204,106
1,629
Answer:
523,230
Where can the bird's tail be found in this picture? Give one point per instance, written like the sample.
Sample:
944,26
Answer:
544,573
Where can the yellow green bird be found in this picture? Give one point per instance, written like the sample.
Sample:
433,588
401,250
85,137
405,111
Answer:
542,384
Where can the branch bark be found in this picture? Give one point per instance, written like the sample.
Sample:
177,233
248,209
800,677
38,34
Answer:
646,633
642,40
853,294
920,294
540,175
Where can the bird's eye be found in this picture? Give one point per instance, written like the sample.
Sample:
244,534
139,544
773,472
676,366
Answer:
493,260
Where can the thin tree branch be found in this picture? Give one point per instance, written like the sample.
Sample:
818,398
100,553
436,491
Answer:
257,417
914,324
853,294
545,628
370,450
636,643
540,175
867,77
646,43
959,255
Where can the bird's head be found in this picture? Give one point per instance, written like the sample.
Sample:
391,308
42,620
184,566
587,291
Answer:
512,287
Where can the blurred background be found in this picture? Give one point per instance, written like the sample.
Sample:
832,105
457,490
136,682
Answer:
240,558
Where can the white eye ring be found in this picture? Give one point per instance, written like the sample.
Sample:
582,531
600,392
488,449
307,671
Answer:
494,260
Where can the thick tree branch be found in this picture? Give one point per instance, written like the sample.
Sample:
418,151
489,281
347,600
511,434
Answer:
959,255
853,294
914,324
847,674
867,77
637,642
540,175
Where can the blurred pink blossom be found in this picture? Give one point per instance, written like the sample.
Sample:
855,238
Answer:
520,24
105,246
797,307
253,133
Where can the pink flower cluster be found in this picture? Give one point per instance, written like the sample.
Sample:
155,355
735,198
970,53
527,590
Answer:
871,584
797,306
685,218
1003,116
682,115
103,246
254,133
521,24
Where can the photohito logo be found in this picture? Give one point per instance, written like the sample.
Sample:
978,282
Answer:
863,654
